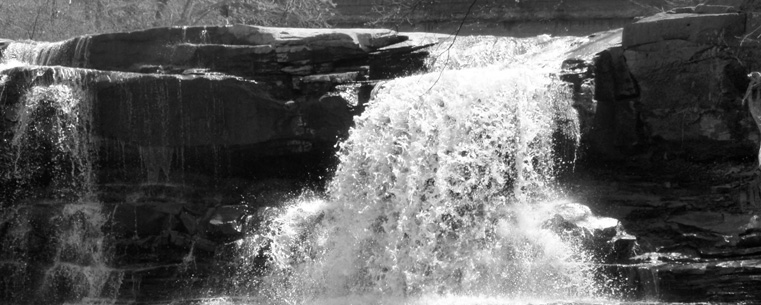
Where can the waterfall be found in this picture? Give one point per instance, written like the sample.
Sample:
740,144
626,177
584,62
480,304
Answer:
444,190
53,152
71,53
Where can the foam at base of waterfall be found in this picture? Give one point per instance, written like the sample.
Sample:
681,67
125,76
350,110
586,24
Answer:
441,193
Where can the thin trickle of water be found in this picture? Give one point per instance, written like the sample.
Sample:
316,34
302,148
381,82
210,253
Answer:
81,57
204,36
184,33
157,162
649,280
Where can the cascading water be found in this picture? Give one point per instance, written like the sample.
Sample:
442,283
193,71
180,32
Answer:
52,157
72,53
54,120
443,195
445,191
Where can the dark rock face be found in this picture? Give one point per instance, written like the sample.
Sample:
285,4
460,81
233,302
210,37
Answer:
691,69
667,113
691,224
615,124
692,64
675,86
711,281
698,28
605,94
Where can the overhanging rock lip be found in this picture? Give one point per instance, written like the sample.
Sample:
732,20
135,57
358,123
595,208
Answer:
597,43
685,26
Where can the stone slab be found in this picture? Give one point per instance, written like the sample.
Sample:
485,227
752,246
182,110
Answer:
700,28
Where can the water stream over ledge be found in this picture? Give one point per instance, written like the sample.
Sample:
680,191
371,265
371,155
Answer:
457,186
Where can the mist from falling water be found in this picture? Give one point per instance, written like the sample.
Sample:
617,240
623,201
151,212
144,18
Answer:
442,194
52,137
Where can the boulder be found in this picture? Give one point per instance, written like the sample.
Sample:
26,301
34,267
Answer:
604,237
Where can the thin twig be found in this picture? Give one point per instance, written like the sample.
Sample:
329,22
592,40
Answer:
454,39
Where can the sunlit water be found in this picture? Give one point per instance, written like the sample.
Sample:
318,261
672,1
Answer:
442,196
71,53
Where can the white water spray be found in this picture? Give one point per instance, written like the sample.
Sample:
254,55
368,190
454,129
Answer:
439,194
73,52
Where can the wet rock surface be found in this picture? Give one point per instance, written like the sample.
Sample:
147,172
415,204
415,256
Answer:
178,139
272,101
274,55
674,148
668,97
693,223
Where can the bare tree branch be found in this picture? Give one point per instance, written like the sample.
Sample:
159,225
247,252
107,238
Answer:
456,34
